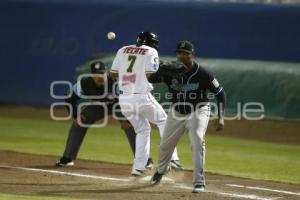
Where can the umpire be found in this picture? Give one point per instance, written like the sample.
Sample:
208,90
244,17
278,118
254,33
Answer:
99,85
190,110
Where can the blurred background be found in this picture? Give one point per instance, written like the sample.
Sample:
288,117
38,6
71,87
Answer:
251,46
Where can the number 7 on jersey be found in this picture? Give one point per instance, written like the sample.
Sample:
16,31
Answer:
131,59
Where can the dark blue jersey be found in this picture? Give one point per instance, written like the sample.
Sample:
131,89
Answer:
190,90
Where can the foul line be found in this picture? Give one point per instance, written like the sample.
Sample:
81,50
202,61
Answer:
67,173
182,186
264,189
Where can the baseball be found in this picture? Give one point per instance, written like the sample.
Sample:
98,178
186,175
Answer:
111,35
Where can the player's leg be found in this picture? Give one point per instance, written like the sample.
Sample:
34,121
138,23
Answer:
142,128
173,131
153,111
142,144
75,137
131,137
126,127
142,152
197,126
130,134
89,116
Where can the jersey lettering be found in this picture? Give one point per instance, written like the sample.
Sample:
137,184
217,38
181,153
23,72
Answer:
135,50
133,64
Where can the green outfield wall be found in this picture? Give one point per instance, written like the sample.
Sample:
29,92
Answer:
273,85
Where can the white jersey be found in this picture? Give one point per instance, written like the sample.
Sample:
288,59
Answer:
132,63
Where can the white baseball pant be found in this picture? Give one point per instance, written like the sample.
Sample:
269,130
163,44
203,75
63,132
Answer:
140,109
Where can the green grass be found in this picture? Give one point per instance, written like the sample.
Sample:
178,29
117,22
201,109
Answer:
225,155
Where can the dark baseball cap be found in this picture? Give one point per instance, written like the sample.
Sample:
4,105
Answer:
185,46
98,67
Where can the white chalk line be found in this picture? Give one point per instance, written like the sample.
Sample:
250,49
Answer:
67,173
229,194
264,189
182,186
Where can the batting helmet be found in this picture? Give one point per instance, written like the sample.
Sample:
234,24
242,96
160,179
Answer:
148,38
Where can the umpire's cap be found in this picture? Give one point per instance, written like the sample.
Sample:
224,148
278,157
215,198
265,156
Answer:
98,67
185,46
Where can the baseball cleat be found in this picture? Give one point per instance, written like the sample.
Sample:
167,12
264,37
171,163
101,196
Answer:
198,189
156,178
63,162
149,164
175,164
137,172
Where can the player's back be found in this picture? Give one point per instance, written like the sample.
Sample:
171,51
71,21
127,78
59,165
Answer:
133,63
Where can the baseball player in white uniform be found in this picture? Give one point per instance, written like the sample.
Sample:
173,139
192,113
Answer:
132,64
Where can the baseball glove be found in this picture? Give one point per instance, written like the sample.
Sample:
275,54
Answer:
173,68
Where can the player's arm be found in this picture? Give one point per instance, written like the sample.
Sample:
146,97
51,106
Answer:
114,72
152,66
82,87
73,101
221,100
219,92
215,87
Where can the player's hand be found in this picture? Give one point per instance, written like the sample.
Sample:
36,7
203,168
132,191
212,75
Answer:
219,124
174,69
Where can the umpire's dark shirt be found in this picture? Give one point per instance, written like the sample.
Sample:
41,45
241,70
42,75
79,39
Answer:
87,89
189,90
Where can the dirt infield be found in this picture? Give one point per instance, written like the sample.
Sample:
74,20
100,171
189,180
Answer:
36,175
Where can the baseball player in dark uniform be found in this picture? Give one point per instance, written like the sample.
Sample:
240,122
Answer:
101,86
190,110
